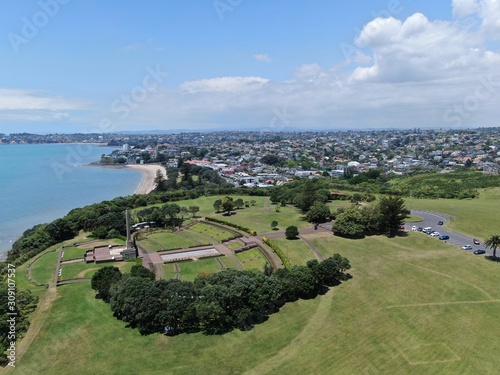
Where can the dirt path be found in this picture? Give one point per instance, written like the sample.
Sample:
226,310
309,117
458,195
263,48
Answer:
266,204
314,248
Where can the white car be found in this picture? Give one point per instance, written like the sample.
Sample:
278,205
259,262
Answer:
435,234
467,247
414,228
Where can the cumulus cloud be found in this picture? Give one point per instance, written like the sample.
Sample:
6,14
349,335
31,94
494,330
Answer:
487,12
20,100
224,84
418,49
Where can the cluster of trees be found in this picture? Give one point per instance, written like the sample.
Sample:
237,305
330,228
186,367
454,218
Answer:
227,204
384,218
205,178
25,305
213,304
309,195
167,215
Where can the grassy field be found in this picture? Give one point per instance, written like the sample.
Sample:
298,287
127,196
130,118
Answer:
234,245
82,270
413,306
192,268
475,217
252,259
74,252
297,250
216,233
43,270
169,240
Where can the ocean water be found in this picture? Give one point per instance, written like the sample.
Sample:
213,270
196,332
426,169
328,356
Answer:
40,183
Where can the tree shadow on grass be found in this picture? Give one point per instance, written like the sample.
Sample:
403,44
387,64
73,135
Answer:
491,258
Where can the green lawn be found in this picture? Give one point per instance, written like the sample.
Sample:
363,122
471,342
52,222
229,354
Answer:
190,269
169,240
43,270
84,270
252,259
216,233
74,252
414,306
297,250
475,217
234,245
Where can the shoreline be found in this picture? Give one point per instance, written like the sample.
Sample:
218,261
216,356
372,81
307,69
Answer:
148,172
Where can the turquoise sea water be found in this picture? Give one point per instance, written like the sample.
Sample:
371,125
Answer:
40,183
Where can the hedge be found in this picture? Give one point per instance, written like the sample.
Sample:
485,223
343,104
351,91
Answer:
278,251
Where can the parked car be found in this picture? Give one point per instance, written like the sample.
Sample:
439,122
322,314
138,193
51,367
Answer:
467,247
477,252
435,234
444,237
440,222
420,229
402,227
414,228
476,241
428,230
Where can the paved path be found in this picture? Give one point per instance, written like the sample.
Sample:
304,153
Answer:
457,239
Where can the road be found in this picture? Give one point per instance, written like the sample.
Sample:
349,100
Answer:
458,239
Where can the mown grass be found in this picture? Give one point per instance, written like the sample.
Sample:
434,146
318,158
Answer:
43,270
234,245
169,240
74,252
216,233
475,217
192,268
252,259
296,250
414,305
82,270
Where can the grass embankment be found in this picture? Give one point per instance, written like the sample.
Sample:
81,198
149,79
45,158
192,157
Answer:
82,270
297,251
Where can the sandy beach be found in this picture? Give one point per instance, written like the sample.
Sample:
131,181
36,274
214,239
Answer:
148,176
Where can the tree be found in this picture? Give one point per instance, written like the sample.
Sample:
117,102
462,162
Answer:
217,205
253,202
103,279
291,232
140,271
318,213
100,232
493,243
349,223
159,181
227,205
184,211
239,203
60,230
274,224
331,271
393,213
194,210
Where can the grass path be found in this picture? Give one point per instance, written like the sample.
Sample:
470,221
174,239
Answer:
306,336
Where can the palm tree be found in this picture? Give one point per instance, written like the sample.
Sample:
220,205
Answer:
493,243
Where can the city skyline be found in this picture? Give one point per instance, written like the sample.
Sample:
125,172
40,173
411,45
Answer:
74,67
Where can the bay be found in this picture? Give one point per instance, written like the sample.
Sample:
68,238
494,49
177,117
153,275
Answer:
40,183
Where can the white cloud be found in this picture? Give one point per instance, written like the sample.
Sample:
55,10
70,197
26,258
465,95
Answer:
225,84
419,49
464,8
263,57
24,100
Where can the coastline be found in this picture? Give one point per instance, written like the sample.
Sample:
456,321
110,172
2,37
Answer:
148,172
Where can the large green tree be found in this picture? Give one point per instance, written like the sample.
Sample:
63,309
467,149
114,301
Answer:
392,214
291,232
493,243
103,279
318,213
227,205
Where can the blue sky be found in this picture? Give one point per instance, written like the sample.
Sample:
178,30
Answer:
101,66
